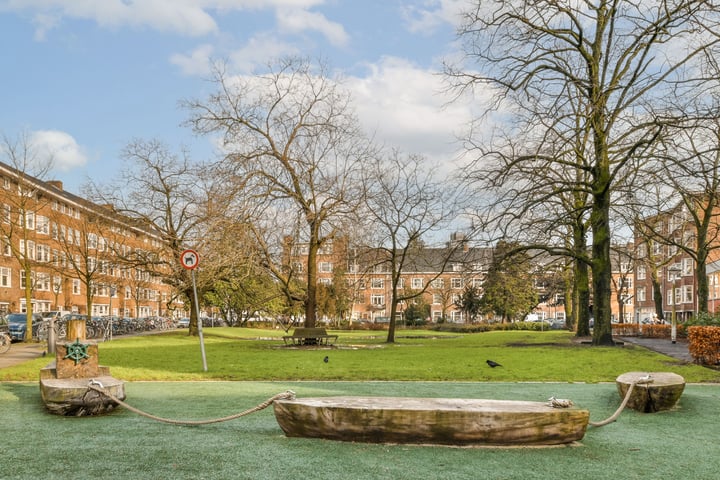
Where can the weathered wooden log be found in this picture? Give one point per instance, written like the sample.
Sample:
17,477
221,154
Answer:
72,397
431,420
661,393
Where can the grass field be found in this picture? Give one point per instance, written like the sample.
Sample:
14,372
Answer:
248,366
418,355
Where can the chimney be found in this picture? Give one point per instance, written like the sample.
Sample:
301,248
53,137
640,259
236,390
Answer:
56,183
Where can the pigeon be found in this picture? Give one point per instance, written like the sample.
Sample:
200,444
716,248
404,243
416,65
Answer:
326,359
492,364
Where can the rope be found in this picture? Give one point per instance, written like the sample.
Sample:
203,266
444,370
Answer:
98,387
614,416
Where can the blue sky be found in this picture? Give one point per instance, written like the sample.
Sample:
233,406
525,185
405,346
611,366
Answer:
82,78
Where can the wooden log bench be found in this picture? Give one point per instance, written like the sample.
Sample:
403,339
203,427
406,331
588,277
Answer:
661,393
309,336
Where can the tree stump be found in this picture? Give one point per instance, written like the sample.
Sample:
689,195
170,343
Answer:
661,394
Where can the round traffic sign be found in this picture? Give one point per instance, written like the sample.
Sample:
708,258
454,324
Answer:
189,259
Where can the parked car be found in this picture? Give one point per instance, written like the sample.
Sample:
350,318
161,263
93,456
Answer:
183,323
17,325
558,324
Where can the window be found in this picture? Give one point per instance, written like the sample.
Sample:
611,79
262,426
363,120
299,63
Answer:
642,250
326,267
477,282
437,299
377,300
456,282
641,272
6,213
5,277
7,248
641,294
377,283
687,293
417,283
438,283
23,278
92,241
678,296
76,287
669,296
457,267
42,282
27,220
687,266
27,249
43,253
57,284
43,225
325,281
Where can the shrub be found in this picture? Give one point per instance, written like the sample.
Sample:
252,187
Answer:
704,344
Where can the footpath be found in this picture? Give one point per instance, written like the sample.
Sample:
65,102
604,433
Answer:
22,352
678,350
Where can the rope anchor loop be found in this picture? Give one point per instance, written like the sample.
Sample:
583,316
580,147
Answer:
98,387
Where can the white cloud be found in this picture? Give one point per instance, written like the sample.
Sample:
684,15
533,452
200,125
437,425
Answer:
258,51
184,17
406,108
299,20
197,62
432,14
57,148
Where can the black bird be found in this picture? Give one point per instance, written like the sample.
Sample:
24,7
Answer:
326,359
492,364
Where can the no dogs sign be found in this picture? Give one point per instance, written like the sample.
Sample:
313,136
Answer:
189,259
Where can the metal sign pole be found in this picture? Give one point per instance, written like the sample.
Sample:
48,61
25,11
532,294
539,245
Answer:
190,259
199,322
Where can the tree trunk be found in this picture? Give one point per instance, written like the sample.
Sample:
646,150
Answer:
601,267
311,298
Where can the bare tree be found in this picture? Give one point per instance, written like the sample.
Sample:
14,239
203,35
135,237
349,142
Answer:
687,162
163,192
293,148
599,72
24,165
404,202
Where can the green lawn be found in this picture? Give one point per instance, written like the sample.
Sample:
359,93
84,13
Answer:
260,355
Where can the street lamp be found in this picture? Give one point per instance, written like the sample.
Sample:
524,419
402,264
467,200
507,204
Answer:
673,329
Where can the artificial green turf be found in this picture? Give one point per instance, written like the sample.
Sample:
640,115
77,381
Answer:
681,443
253,354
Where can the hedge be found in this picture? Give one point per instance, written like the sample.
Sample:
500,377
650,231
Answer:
704,344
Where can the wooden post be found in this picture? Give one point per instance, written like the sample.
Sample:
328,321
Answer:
76,330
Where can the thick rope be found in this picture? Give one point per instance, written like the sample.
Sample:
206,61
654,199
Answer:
614,416
289,394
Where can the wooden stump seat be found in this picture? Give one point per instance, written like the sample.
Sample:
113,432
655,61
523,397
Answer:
661,393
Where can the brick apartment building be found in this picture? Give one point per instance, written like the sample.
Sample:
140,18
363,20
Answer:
442,271
68,245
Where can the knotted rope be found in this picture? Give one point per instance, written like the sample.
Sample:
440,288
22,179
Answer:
98,387
562,403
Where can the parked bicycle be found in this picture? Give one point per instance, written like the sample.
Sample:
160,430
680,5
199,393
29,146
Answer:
5,339
4,342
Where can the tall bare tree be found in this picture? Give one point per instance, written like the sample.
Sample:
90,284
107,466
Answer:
404,203
165,192
23,164
604,68
293,147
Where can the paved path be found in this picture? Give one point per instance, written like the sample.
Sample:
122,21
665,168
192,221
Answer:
678,350
21,352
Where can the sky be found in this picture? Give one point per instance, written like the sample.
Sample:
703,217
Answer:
83,78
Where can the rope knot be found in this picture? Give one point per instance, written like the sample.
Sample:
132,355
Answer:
560,402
